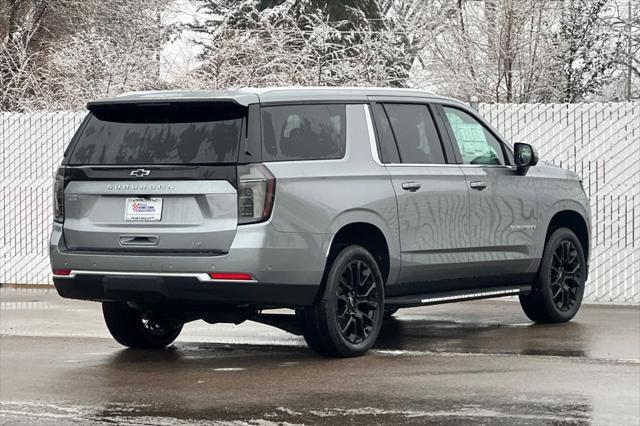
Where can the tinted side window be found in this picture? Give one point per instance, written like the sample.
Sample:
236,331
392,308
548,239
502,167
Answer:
477,145
415,132
386,141
303,132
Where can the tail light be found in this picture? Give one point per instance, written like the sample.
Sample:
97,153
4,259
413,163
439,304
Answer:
256,193
58,196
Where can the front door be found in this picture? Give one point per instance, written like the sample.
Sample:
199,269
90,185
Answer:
502,202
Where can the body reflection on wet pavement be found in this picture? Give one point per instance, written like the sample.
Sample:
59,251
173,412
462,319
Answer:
475,362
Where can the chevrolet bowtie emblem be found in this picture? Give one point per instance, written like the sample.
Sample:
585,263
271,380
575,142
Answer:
140,172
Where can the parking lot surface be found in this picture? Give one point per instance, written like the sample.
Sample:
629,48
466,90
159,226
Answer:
466,363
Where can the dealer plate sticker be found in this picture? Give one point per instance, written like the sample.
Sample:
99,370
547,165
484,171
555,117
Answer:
143,209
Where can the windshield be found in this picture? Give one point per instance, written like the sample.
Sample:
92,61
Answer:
160,134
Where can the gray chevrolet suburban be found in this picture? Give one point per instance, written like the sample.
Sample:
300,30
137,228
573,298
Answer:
343,204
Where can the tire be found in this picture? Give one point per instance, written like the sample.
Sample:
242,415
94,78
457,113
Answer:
557,293
345,320
132,329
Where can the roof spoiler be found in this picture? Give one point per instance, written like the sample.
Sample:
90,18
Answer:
112,103
151,98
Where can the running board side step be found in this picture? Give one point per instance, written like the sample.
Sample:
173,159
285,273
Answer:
455,296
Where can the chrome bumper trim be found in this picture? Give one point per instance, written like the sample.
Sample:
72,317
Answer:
203,276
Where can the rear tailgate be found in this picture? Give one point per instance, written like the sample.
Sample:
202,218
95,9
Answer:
154,178
186,215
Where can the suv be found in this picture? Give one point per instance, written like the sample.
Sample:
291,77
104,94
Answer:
344,204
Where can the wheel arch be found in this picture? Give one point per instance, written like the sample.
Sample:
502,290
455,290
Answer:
576,223
367,235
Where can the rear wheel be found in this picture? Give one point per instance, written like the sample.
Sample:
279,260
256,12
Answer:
557,293
134,329
345,320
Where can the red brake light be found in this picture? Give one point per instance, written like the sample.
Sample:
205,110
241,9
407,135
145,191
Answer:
268,202
64,272
231,276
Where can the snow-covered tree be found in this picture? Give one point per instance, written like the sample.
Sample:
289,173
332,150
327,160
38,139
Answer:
496,50
300,42
27,28
521,50
118,51
622,22
585,52
57,54
60,53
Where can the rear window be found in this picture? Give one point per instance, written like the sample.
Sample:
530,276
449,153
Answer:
165,134
303,132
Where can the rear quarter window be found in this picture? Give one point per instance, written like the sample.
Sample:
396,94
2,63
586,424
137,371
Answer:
303,132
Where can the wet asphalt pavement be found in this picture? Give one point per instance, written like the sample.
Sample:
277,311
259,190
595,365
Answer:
467,363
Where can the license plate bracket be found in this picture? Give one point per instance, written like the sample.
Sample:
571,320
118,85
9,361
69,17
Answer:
143,209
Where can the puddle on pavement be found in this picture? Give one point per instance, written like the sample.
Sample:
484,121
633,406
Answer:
436,412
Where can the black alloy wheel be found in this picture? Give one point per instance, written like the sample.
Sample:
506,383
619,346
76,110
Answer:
153,326
346,318
556,294
565,277
357,302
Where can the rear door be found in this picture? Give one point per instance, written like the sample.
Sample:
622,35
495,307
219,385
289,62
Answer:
154,178
431,193
503,202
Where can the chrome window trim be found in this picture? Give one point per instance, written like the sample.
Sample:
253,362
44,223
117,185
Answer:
474,166
373,141
491,166
420,165
202,277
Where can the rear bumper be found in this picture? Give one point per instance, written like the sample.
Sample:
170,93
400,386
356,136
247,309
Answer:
176,290
287,270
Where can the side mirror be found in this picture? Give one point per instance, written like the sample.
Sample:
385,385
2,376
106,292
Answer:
524,155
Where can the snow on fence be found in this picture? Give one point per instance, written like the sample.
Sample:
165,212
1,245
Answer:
599,141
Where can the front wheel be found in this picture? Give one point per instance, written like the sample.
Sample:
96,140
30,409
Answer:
134,329
346,319
557,293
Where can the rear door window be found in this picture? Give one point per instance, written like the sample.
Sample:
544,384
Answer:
415,133
168,134
303,132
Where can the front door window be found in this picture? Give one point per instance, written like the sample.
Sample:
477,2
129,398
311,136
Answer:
477,145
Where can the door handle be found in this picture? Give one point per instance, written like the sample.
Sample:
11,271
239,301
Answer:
411,186
478,185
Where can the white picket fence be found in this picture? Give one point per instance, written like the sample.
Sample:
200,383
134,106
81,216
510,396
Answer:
599,141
